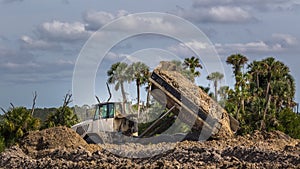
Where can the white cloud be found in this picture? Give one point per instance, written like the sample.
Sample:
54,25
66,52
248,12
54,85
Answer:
217,14
147,23
261,5
29,43
201,3
96,19
10,1
232,11
65,62
229,14
197,45
180,50
277,43
184,49
255,47
250,47
63,31
285,39
144,24
113,57
14,66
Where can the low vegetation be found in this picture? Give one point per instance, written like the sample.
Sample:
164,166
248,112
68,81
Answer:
15,123
18,121
63,116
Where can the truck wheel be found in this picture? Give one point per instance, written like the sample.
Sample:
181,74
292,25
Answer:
93,139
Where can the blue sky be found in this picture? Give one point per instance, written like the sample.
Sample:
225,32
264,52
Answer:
41,40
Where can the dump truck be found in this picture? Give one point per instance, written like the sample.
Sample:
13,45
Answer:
191,104
183,100
110,119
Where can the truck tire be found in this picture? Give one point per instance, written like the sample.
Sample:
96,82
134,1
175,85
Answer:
93,138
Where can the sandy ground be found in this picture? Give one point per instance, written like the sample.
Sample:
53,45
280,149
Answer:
61,147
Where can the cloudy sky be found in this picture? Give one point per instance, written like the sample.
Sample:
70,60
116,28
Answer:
41,40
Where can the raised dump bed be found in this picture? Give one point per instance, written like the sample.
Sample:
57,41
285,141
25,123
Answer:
192,105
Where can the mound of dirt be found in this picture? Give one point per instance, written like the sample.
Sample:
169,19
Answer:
61,147
37,142
203,102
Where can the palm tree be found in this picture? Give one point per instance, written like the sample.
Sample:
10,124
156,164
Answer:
290,91
139,73
215,77
118,74
273,85
255,71
237,61
192,63
276,74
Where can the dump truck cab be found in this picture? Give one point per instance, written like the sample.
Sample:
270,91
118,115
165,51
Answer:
114,117
110,118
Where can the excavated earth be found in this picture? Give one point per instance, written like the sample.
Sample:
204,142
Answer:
169,73
61,147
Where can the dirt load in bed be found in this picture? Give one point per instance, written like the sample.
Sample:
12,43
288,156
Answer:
196,106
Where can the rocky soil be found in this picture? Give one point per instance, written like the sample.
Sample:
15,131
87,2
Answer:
197,97
61,147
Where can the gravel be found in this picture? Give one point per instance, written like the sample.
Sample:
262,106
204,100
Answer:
61,147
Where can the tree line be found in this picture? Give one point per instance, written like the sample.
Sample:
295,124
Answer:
262,97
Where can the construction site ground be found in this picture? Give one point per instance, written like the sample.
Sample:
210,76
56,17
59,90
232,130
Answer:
61,147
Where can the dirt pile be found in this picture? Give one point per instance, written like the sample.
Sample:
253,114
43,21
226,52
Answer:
63,148
195,95
38,143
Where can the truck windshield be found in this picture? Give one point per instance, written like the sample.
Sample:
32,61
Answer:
107,110
111,110
103,111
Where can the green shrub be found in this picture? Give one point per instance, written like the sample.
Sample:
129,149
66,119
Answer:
2,144
16,123
289,123
63,116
